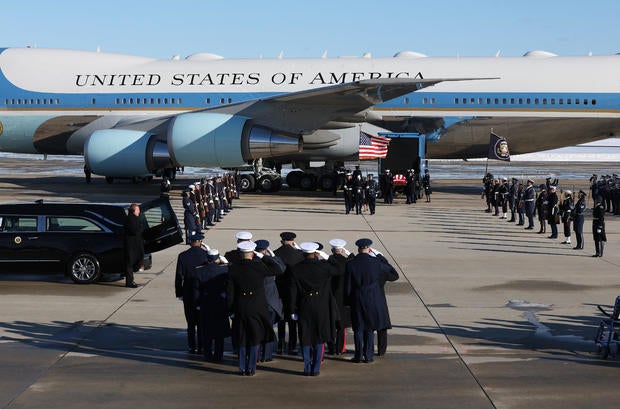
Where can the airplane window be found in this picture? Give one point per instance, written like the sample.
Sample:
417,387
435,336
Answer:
520,100
19,102
208,101
57,101
576,101
480,101
166,101
432,100
456,101
512,101
423,101
180,101
221,100
159,101
124,101
536,100
152,101
464,100
172,101
568,101
496,100
229,100
593,102
544,101
130,100
528,101
38,101
93,101
488,101
585,102
552,101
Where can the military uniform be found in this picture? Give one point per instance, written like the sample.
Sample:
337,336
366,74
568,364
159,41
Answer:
371,194
184,282
598,229
312,301
365,276
578,219
552,212
529,195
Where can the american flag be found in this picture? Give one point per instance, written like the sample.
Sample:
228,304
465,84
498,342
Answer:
373,147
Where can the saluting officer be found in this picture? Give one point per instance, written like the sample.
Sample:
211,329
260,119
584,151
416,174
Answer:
312,304
364,277
339,258
184,282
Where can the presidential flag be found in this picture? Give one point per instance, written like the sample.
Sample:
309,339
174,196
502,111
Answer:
373,147
498,148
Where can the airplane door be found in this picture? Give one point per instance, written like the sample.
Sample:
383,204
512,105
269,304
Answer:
161,226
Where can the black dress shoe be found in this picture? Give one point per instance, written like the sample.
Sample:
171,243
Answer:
316,373
250,373
356,360
131,285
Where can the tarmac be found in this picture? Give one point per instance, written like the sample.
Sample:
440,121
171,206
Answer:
485,314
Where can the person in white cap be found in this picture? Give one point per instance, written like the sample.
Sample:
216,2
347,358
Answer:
339,257
566,214
247,301
234,256
311,300
210,283
190,215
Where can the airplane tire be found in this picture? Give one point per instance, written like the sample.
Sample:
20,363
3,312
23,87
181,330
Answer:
326,183
266,183
247,183
307,182
293,178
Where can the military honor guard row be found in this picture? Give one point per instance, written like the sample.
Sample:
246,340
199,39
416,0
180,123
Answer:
252,289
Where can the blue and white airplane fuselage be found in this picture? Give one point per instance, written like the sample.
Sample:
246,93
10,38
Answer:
208,111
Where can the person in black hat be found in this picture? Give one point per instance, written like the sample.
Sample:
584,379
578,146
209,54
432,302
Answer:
365,276
290,255
529,195
272,295
598,229
513,192
578,219
210,284
184,282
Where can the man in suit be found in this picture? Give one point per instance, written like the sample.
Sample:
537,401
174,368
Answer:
134,244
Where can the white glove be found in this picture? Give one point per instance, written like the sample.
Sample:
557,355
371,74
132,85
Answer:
205,247
198,308
294,317
180,298
224,260
375,252
259,254
271,253
296,246
323,255
346,252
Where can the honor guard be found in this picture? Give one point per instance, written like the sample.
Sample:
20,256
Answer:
512,199
371,193
566,214
234,256
578,219
529,195
598,229
553,211
426,185
347,188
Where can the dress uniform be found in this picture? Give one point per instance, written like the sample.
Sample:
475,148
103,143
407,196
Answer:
190,215
529,195
541,208
566,214
552,211
234,256
369,312
291,255
339,259
313,304
371,193
426,184
578,219
248,304
184,283
210,296
347,188
598,229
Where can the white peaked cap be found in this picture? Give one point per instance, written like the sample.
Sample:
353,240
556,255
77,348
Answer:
244,235
309,247
337,243
246,246
213,252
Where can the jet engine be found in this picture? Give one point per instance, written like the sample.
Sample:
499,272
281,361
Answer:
200,139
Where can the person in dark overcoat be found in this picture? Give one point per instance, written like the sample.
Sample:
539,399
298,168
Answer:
134,244
579,218
291,255
598,228
552,211
184,282
339,258
313,305
248,304
364,278
210,286
271,294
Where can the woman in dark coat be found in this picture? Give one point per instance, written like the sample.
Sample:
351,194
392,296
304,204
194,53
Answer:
598,228
247,301
312,301
134,244
210,286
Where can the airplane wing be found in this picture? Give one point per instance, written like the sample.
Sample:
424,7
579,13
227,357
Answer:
306,111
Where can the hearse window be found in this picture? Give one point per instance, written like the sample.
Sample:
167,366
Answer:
18,224
155,217
70,224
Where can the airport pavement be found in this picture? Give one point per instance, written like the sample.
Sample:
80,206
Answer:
485,315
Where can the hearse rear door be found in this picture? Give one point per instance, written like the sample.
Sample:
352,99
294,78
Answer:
161,226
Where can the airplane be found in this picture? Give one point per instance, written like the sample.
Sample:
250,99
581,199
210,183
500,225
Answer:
134,116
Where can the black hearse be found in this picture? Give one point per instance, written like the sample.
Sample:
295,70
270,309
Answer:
84,240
